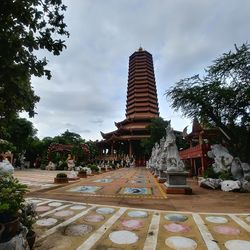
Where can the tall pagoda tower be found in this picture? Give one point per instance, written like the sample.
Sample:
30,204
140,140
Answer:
141,107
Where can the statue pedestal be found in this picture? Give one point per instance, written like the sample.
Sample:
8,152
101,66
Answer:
162,176
176,183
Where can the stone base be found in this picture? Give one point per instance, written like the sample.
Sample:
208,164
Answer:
176,183
174,189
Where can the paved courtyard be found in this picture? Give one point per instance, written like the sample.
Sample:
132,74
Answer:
128,209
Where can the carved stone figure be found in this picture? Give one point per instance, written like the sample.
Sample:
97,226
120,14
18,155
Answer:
174,163
6,167
246,171
222,158
236,169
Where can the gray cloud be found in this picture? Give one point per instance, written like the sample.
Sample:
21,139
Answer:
88,90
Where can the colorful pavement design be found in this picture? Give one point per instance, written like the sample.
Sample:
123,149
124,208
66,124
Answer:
74,225
131,183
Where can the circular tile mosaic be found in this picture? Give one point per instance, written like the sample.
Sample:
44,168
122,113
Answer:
78,207
46,222
43,208
176,217
132,224
138,214
55,204
226,230
105,210
217,219
64,213
78,230
176,228
94,218
180,243
123,237
237,245
248,218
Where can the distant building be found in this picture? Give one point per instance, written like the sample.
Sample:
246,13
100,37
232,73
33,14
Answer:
141,107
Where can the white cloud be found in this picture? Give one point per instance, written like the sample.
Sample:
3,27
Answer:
88,90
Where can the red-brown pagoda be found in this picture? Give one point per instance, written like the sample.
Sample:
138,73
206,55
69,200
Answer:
142,106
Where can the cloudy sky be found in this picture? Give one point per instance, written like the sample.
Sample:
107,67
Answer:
87,92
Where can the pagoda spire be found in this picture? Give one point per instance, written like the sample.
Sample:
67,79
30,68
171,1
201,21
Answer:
142,99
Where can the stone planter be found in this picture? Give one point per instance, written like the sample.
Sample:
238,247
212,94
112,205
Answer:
82,175
9,229
60,180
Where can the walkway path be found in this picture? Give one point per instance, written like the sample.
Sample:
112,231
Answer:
68,225
133,188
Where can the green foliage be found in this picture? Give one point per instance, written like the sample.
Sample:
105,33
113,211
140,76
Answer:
157,131
220,98
11,195
93,149
209,173
6,146
68,138
62,166
28,215
61,175
82,171
225,175
20,132
26,27
93,167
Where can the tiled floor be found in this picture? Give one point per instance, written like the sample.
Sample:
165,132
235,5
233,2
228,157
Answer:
74,225
129,209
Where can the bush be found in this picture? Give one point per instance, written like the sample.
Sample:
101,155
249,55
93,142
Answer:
93,167
11,196
28,216
62,166
61,175
82,171
225,176
209,173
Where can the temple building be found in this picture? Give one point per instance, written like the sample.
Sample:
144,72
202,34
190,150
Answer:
200,140
141,108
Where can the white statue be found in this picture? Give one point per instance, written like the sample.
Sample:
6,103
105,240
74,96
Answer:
72,174
50,166
6,167
173,161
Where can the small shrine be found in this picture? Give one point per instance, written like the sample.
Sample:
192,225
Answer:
200,140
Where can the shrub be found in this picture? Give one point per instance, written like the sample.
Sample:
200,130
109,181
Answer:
225,176
61,175
62,166
209,173
82,171
28,215
11,196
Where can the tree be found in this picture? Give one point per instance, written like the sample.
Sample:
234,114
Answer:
69,138
157,131
26,27
20,132
220,98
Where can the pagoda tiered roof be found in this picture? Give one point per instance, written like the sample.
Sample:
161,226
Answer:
142,102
